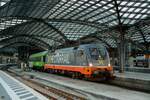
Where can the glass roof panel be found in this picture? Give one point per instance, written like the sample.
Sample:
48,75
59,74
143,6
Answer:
8,22
3,2
73,30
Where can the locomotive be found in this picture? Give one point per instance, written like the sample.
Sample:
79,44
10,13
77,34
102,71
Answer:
84,61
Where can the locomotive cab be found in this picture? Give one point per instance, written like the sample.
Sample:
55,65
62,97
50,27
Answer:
99,57
98,62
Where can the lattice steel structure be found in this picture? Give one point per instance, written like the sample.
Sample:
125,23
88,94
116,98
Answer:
48,23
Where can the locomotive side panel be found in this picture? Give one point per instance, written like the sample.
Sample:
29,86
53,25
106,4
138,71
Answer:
68,57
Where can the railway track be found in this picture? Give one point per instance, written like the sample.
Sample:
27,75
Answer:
50,92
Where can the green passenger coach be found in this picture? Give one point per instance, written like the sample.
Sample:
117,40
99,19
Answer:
38,60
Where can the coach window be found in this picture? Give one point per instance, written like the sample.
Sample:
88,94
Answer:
81,58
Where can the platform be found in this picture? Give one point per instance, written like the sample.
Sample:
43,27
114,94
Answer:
133,80
134,75
12,89
104,91
134,69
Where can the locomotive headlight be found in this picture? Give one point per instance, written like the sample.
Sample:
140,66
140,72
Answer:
109,65
90,64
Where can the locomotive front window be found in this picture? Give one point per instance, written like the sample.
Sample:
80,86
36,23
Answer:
94,53
99,56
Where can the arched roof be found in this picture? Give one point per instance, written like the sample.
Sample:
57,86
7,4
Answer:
56,22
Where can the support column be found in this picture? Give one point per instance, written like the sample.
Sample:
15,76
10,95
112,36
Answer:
122,42
148,58
113,57
23,55
122,53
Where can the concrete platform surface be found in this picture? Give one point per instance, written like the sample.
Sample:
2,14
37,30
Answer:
12,89
109,91
134,75
3,94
